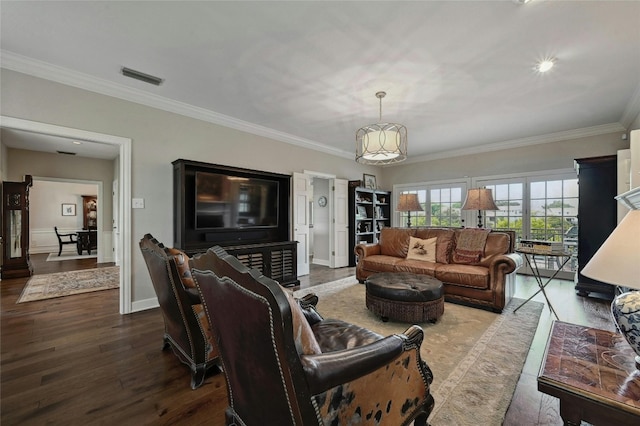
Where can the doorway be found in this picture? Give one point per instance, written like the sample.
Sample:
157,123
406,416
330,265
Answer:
124,178
319,244
332,245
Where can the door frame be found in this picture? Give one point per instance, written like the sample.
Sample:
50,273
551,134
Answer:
124,177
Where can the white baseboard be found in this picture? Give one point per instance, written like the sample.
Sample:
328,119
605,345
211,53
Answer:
321,262
143,305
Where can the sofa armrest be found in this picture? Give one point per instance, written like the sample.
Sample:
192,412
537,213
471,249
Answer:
499,268
364,250
328,370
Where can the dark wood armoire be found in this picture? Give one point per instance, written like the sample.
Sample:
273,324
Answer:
597,216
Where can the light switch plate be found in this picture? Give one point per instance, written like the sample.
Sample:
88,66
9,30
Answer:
137,203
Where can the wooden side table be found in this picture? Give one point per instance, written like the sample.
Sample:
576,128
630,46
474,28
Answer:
593,374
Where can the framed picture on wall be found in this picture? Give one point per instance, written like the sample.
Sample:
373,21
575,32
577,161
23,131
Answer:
369,181
68,209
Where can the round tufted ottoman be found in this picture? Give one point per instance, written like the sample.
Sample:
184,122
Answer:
404,296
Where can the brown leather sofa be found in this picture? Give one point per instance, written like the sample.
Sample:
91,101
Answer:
286,365
482,282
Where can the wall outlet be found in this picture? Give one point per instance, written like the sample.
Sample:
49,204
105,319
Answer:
137,203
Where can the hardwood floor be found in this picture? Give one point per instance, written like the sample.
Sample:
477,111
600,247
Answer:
75,360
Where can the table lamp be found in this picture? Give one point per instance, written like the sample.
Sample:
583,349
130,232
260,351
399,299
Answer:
409,203
617,262
479,199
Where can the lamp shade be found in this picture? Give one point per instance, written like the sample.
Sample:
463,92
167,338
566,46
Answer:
409,203
384,143
617,261
479,199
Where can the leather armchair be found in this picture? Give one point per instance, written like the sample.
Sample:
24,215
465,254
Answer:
286,365
186,327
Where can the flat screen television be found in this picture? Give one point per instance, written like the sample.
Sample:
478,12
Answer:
224,201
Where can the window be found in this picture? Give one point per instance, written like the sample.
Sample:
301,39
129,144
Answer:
540,207
446,204
509,197
441,204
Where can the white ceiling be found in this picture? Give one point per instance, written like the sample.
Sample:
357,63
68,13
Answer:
458,74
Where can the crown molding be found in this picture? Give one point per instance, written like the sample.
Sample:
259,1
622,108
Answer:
518,143
44,70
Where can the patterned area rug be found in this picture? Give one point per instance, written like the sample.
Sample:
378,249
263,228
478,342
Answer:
60,284
476,355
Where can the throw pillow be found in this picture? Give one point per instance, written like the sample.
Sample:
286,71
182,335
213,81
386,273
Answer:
470,246
305,340
420,249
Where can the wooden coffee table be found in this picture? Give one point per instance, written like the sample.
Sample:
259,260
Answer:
593,374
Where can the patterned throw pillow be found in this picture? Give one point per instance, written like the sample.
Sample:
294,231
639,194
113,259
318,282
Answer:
420,249
305,340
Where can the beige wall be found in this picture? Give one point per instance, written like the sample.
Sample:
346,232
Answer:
45,213
47,165
550,156
636,123
159,138
3,162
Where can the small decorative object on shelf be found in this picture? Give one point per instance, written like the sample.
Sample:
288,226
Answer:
369,181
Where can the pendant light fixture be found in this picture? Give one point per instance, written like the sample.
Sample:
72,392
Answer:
381,143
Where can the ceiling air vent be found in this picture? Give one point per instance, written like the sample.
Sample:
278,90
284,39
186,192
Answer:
151,79
66,153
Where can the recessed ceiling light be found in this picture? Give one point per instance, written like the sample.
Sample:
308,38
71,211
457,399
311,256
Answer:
545,65
77,143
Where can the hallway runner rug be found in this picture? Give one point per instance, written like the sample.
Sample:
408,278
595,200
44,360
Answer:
48,286
476,356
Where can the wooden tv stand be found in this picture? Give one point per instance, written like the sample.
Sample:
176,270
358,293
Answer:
277,260
265,248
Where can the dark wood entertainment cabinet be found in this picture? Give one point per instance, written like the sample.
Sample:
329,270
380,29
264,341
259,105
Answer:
267,249
597,216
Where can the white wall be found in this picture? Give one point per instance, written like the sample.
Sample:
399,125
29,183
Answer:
45,212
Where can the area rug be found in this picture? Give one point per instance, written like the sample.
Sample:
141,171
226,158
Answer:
476,356
48,286
53,257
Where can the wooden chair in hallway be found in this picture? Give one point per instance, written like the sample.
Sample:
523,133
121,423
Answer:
65,239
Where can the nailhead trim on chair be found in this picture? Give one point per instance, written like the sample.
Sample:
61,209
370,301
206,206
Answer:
263,300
